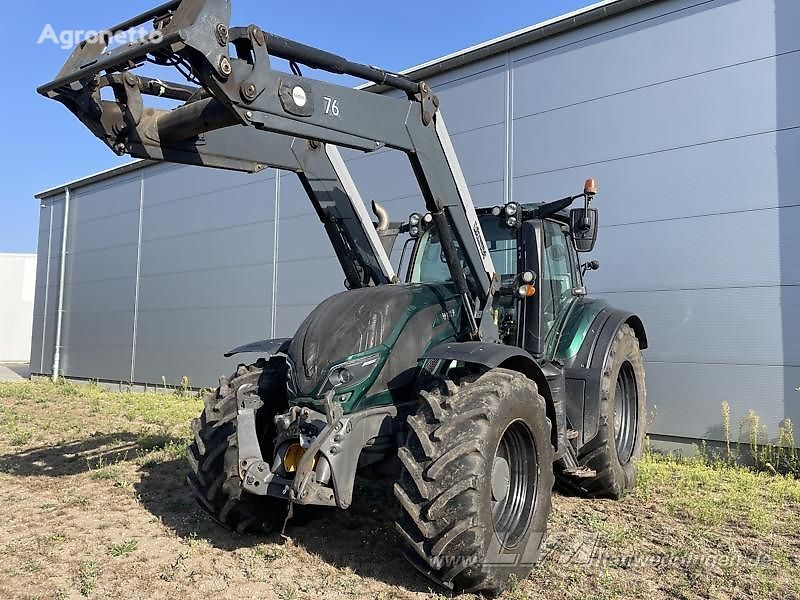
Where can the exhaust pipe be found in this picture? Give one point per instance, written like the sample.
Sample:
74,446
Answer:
383,216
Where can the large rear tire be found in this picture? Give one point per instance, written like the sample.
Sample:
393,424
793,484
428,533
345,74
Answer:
214,456
476,481
619,442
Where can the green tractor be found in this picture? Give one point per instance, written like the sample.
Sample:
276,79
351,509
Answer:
473,382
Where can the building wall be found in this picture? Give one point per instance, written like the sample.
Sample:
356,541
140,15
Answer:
17,283
687,113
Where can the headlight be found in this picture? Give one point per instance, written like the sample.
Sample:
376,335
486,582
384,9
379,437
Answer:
351,373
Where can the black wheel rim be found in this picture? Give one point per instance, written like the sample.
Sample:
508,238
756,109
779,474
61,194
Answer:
514,479
626,415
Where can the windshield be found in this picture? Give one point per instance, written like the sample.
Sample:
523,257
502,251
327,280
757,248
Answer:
430,264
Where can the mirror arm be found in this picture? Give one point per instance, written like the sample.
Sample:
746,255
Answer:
585,222
551,208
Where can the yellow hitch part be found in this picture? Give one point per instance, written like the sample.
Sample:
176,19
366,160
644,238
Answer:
292,458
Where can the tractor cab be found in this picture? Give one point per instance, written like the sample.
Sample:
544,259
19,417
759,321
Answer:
534,249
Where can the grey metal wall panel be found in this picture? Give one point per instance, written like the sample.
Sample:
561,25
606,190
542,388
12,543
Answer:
56,216
40,295
679,126
734,326
206,261
289,317
689,397
190,342
307,270
695,115
100,279
728,250
226,202
385,176
103,205
657,43
727,176
474,95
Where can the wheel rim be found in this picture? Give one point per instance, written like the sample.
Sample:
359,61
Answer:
514,479
625,412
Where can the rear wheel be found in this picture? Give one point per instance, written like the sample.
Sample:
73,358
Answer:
214,456
476,480
619,442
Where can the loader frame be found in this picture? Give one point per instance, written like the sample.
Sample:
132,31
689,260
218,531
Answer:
240,114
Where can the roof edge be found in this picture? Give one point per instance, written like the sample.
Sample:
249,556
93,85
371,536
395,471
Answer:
95,177
550,27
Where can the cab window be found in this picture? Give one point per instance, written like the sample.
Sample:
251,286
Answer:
431,266
557,280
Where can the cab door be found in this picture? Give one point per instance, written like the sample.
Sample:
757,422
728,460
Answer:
550,254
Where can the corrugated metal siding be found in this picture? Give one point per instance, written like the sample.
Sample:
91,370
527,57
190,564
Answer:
206,270
687,113
674,108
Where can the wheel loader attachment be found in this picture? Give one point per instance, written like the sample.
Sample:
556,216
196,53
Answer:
235,112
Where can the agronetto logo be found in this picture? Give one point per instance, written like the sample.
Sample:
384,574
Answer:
67,39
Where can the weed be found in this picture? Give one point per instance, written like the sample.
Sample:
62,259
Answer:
88,572
122,548
32,566
726,429
288,593
19,437
171,570
183,390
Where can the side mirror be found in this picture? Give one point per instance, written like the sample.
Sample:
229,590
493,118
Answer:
583,223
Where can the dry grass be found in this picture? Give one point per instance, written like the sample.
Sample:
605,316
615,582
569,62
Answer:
94,505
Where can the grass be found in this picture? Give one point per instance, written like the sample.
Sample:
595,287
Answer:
94,481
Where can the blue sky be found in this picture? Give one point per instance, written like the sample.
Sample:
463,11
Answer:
43,145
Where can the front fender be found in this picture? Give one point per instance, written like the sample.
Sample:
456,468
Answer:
268,347
491,355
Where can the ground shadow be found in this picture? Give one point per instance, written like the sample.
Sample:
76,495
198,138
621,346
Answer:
79,456
362,538
21,369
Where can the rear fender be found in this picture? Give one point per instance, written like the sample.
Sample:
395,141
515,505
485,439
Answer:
584,371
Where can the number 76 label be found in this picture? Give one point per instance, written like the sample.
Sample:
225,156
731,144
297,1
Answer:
331,106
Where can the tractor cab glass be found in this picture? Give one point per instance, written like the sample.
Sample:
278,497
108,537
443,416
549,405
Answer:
559,277
429,264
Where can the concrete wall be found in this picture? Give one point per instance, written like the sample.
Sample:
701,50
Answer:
17,282
687,113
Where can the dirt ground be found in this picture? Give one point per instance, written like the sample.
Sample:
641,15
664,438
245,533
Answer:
93,504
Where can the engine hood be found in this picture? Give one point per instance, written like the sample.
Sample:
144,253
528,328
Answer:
373,318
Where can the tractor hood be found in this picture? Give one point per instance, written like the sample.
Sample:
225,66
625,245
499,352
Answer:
369,337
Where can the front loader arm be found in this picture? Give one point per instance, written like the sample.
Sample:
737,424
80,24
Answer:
241,114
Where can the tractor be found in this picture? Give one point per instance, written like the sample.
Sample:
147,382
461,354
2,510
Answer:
472,381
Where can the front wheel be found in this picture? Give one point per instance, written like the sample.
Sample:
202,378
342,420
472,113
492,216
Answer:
476,480
214,454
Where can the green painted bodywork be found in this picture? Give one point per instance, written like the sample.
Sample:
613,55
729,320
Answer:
565,340
574,327
423,295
